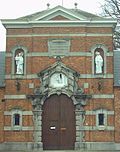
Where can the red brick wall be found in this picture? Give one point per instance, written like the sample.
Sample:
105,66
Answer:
117,114
21,136
2,114
81,64
99,136
100,103
79,43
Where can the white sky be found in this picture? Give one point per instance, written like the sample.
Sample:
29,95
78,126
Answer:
19,8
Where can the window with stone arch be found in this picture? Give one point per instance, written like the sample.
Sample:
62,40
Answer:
99,59
19,60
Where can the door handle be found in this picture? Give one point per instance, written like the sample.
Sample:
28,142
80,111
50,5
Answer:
52,127
63,129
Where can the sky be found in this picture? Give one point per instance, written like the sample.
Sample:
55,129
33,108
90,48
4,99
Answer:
11,9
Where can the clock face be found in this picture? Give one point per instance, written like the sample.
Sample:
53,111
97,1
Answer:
58,80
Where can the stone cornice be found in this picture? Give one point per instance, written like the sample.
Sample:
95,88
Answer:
58,34
23,128
94,96
30,24
30,113
83,76
78,53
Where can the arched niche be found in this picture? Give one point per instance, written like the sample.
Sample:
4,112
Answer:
18,50
102,49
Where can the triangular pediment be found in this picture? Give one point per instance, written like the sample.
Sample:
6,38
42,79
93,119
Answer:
58,13
58,67
59,16
57,79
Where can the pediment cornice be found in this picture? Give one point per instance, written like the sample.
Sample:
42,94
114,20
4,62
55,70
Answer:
58,16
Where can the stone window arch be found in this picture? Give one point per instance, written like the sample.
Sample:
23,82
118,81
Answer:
99,50
19,52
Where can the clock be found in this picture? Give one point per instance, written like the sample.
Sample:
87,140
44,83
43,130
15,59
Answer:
58,80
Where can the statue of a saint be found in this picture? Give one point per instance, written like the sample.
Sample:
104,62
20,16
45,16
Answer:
19,63
98,63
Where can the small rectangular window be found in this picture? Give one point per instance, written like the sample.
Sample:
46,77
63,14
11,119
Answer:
100,119
16,119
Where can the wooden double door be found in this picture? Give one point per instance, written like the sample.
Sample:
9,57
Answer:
58,123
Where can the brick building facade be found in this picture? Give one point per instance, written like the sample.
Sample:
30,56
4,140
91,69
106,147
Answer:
54,90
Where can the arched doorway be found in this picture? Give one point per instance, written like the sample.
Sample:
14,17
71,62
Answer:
58,123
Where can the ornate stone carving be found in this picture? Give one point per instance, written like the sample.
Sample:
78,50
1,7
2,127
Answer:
71,89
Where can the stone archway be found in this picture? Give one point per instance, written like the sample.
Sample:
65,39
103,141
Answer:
70,89
79,120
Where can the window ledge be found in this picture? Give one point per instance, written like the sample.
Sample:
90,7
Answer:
101,127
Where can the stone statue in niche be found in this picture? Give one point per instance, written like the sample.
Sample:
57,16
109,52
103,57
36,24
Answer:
19,63
98,63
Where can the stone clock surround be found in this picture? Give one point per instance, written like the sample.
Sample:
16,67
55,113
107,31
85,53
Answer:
50,84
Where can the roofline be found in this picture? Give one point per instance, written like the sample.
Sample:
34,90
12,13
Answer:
9,23
60,8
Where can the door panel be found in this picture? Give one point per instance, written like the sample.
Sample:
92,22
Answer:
67,123
58,123
50,128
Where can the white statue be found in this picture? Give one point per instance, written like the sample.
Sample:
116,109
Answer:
19,63
98,63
